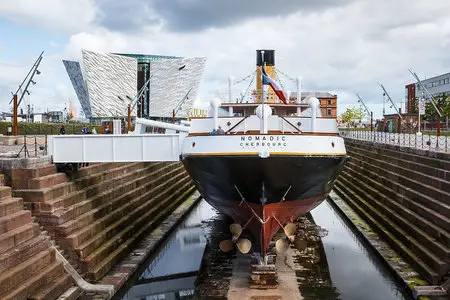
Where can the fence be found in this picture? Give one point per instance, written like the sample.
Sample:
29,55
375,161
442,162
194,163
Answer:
25,147
46,128
423,141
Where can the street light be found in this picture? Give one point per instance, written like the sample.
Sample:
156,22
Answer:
369,112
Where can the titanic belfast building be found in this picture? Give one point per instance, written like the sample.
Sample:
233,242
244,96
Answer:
105,83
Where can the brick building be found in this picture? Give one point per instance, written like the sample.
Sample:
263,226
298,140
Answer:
437,86
328,102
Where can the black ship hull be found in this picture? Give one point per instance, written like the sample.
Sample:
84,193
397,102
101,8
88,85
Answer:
267,191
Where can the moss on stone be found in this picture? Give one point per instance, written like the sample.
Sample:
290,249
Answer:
395,259
417,281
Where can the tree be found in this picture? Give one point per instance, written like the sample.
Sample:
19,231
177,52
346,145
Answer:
430,111
415,109
352,114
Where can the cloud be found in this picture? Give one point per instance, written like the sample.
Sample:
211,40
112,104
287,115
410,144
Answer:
194,15
341,46
53,15
197,15
126,16
46,94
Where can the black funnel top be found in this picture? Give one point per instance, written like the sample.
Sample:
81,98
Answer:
269,57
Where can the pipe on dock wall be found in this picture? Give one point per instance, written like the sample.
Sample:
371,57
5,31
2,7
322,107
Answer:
81,283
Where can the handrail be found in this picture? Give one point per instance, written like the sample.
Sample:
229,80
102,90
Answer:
237,124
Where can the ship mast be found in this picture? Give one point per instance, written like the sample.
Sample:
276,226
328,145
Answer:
263,123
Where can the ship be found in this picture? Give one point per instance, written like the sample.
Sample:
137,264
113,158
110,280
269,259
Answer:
265,162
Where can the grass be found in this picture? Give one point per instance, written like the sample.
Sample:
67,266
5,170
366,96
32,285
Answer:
355,129
443,133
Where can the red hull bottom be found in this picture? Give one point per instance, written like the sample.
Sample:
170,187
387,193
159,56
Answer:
264,221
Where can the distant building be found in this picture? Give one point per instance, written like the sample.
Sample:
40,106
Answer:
328,102
105,82
437,86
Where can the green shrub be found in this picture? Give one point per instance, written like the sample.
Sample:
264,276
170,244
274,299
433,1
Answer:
47,128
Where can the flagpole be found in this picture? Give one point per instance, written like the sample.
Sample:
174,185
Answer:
263,125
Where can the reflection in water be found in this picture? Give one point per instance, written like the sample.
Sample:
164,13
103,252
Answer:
355,270
171,274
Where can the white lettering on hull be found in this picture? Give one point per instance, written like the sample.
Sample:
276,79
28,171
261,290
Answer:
266,141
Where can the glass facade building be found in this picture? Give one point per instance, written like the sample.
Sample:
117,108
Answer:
109,79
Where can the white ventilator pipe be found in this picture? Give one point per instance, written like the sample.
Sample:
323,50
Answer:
263,114
230,84
298,81
215,104
186,123
147,123
230,111
314,105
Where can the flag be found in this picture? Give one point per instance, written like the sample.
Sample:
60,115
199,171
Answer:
422,106
266,80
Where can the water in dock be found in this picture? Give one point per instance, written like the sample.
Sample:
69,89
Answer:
355,271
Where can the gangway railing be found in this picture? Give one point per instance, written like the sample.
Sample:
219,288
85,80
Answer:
103,148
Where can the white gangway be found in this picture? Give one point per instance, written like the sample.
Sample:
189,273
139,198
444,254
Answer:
133,147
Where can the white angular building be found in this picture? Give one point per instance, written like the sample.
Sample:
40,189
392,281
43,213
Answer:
104,83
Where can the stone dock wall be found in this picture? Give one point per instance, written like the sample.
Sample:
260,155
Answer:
404,194
96,215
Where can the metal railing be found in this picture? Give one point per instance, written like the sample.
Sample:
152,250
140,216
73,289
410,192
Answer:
25,147
423,141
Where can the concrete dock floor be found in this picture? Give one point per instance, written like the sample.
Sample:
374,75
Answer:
240,282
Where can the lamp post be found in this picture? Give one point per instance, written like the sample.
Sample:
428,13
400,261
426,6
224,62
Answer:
128,113
436,107
394,106
15,125
16,102
367,110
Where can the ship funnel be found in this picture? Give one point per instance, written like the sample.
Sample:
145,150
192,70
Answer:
269,66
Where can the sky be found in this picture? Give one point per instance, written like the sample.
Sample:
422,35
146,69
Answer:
338,46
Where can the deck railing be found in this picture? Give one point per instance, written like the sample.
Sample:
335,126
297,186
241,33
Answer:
423,141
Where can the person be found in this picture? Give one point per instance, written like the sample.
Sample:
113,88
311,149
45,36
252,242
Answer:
94,131
85,130
220,131
213,131
62,130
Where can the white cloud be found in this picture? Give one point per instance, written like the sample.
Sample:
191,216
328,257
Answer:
343,49
53,15
53,44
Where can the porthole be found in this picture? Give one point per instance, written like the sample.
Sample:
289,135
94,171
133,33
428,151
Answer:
332,144
193,144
